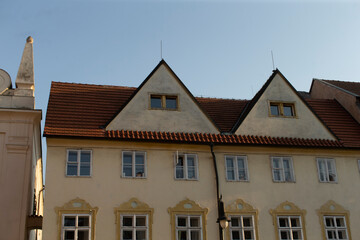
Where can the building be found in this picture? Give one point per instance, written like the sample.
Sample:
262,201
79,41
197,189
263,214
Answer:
155,162
21,179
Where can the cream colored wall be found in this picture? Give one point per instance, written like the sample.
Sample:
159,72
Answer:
305,125
137,115
107,190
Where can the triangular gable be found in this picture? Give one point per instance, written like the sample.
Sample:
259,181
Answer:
257,119
137,113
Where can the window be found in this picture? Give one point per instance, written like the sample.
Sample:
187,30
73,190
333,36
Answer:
242,228
282,169
134,226
188,227
236,168
289,222
280,109
290,228
76,227
326,170
186,166
134,164
78,163
165,102
335,227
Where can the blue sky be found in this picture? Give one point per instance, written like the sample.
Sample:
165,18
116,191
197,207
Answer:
217,48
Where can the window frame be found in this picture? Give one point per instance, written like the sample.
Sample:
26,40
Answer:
188,227
242,228
235,159
335,228
327,172
78,162
282,169
185,167
75,228
134,228
280,106
290,228
163,98
133,164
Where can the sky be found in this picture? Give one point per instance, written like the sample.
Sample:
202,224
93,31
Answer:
217,48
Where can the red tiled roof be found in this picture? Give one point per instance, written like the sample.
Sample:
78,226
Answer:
353,87
82,110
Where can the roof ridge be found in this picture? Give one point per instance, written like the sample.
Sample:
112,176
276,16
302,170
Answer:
330,80
216,98
97,85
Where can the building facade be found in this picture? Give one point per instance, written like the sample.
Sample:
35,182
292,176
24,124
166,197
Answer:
154,162
21,179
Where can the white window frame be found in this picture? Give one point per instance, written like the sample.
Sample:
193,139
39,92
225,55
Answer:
134,228
75,228
328,162
358,164
78,162
242,228
235,160
290,228
188,228
336,229
133,165
185,167
282,169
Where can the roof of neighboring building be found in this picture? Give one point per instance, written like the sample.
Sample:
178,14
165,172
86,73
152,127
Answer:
83,110
352,87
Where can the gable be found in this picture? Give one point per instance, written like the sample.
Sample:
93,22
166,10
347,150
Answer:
138,114
259,121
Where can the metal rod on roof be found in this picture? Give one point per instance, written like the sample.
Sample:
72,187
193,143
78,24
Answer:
272,57
161,49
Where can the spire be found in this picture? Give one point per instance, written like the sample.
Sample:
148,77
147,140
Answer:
25,77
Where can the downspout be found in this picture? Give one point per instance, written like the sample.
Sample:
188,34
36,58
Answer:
217,188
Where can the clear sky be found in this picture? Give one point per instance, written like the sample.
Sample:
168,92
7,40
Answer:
217,48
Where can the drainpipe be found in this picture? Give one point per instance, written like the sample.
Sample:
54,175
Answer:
38,209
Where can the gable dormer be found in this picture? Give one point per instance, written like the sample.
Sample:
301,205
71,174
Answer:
278,110
163,103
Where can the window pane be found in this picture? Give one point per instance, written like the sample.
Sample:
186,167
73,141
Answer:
127,221
127,235
71,169
230,174
127,158
83,235
295,222
242,174
195,235
83,221
139,158
140,221
85,157
194,222
276,162
329,222
229,162
285,235
331,234
182,235
288,111
140,234
155,102
235,235
247,221
181,221
241,163
297,234
69,235
248,235
85,170
72,157
127,171
171,103
235,222
283,222
342,234
322,170
179,172
274,110
69,221
191,172
277,175
191,161
140,170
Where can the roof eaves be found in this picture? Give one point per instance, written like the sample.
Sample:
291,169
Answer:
334,86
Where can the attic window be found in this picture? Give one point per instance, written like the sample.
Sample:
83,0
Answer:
281,109
165,102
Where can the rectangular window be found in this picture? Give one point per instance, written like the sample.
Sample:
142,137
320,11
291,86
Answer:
188,227
282,169
236,168
134,226
78,163
326,170
335,228
290,228
165,102
134,164
186,166
76,227
281,109
242,227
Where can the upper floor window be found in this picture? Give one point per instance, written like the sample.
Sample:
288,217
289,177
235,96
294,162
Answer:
326,170
290,227
76,226
242,227
188,227
78,163
281,109
134,164
236,168
282,169
134,226
167,102
186,166
335,227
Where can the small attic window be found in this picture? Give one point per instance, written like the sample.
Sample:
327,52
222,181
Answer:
164,102
281,109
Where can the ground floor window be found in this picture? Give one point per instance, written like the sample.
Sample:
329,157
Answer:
76,227
290,227
188,227
242,228
335,227
134,227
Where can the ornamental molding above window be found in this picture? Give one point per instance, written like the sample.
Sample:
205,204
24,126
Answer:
240,206
286,207
332,207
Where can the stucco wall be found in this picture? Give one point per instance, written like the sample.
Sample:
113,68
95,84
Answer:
304,125
106,189
138,115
